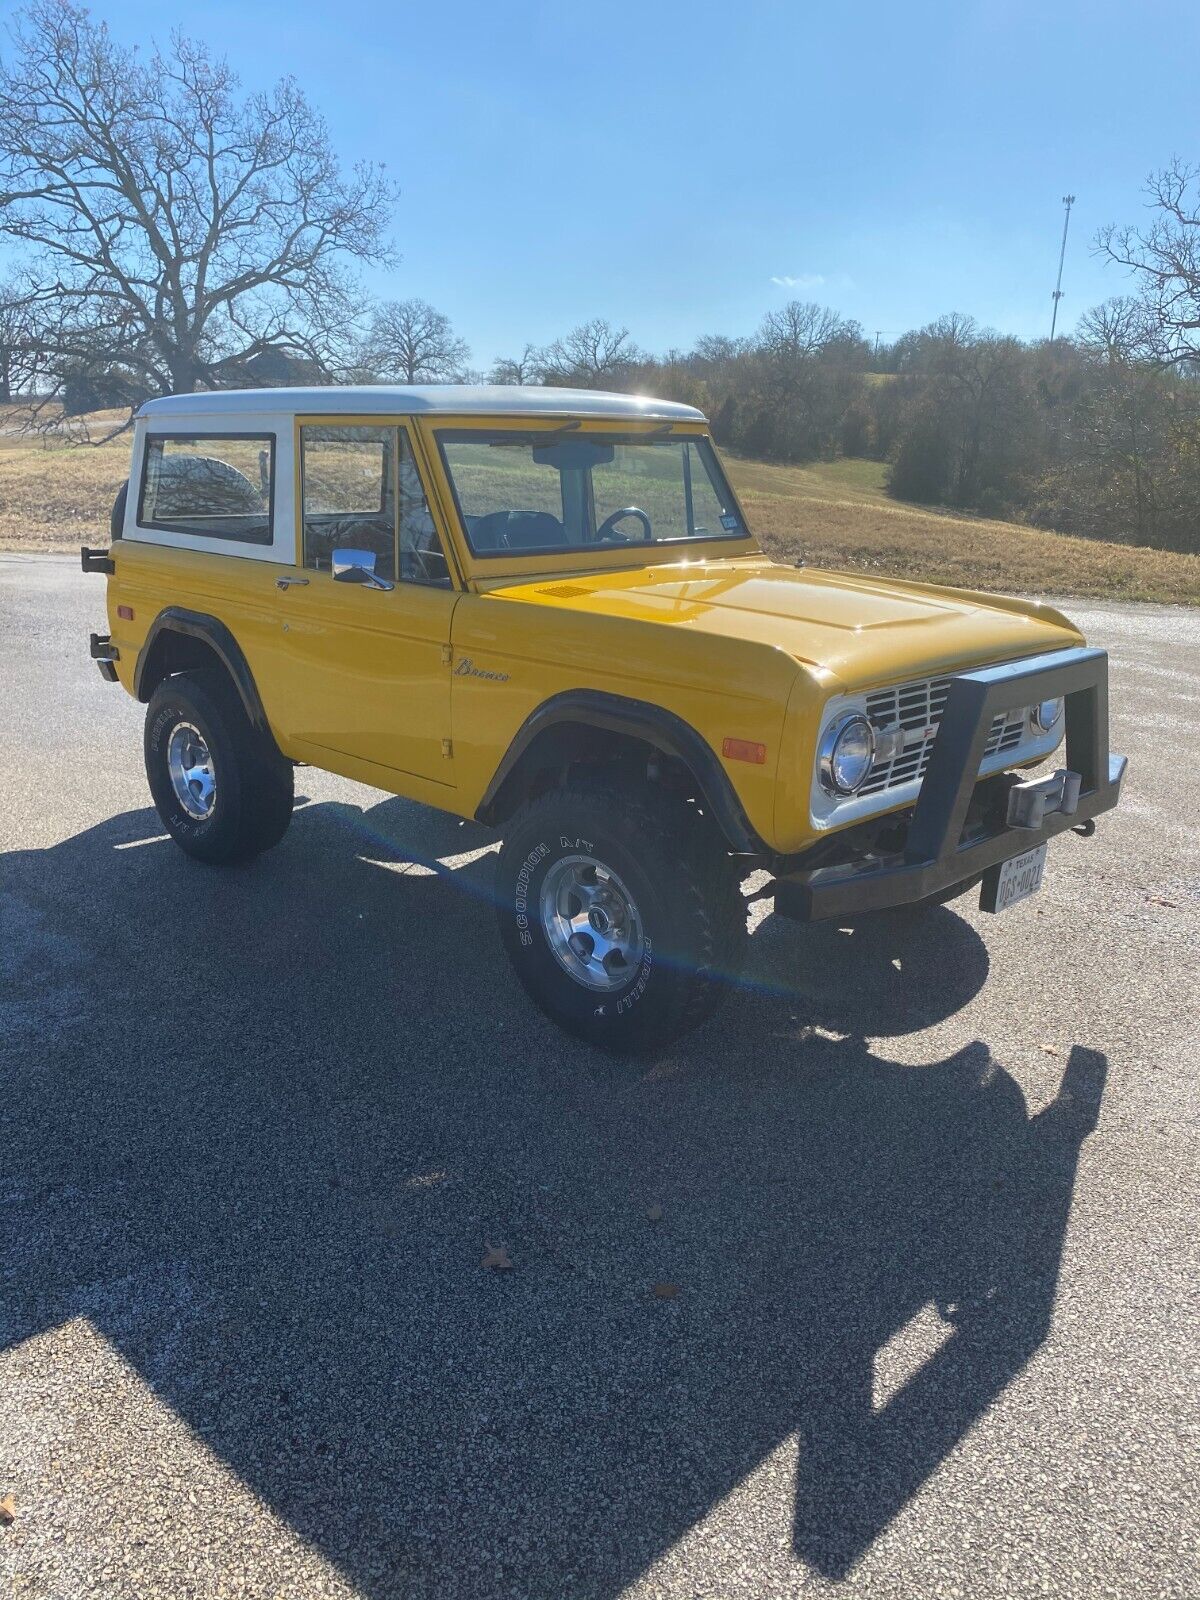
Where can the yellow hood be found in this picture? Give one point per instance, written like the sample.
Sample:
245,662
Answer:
865,630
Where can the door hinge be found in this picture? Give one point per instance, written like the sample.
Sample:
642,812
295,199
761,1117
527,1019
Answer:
447,655
447,749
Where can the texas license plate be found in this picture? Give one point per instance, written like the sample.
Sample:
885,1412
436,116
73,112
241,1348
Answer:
1013,880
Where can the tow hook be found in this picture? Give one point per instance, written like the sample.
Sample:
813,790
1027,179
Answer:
1030,803
1085,830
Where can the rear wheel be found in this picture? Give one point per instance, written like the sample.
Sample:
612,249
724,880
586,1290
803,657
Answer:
223,794
620,912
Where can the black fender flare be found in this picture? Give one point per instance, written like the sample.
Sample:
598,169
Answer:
657,727
214,633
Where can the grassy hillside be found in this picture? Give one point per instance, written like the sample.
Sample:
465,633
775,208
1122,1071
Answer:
836,514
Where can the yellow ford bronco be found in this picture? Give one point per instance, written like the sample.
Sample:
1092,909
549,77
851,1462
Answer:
545,609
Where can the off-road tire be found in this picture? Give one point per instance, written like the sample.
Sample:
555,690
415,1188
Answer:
687,891
254,792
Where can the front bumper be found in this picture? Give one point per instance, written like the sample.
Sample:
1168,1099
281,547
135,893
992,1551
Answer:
940,850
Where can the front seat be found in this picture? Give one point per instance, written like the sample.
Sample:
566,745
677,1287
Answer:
518,530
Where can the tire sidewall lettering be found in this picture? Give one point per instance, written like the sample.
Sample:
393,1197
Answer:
166,720
521,891
628,1001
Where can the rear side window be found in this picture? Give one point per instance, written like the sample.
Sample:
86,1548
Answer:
215,486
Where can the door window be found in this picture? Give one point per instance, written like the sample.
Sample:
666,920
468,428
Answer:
362,490
348,499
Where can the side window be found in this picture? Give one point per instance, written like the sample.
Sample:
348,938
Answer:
360,485
214,486
422,559
709,516
349,504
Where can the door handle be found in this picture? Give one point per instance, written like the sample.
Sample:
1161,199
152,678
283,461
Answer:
285,583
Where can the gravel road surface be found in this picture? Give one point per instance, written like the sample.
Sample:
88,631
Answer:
928,1191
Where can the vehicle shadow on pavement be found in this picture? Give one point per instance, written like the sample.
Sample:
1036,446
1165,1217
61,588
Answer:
260,1124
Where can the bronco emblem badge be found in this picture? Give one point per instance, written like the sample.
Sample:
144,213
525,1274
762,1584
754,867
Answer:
466,668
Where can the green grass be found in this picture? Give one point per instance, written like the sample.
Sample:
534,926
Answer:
849,479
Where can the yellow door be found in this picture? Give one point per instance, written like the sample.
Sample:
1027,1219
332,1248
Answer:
368,652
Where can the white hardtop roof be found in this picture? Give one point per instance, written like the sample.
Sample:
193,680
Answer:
407,399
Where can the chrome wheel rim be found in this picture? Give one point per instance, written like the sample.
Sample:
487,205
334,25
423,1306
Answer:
190,766
591,923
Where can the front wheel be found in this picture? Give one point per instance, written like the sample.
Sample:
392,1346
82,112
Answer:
621,914
222,794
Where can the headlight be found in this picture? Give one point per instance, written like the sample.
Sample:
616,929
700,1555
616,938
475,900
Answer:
847,751
1046,715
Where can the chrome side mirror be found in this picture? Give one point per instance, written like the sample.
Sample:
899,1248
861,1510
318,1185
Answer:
358,566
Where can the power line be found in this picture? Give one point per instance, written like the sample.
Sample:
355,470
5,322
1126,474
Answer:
1068,201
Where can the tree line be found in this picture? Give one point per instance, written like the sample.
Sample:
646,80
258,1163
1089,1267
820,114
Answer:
165,232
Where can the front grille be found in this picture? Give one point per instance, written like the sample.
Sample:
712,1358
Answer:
917,708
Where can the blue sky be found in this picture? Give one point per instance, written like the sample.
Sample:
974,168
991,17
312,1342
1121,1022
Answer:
672,166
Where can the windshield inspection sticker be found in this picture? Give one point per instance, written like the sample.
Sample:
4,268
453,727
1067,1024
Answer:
729,523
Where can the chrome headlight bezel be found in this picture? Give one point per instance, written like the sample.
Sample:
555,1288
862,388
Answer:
827,759
1047,714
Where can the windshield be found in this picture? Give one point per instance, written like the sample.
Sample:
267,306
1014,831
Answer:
564,490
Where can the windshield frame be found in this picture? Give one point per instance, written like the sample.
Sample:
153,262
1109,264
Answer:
614,552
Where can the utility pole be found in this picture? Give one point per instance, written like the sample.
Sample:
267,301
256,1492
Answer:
1068,201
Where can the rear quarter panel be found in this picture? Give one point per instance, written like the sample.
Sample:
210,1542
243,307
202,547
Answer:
239,593
217,577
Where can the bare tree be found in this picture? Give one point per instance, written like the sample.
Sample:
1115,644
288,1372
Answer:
807,362
20,345
590,356
525,368
176,229
1117,331
1165,259
939,347
961,412
1120,427
802,330
411,341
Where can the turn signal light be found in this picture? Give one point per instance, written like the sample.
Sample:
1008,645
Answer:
744,750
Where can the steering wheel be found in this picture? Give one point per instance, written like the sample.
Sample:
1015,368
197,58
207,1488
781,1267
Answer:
608,528
422,559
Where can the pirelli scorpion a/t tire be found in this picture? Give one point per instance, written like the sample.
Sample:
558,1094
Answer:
223,794
621,914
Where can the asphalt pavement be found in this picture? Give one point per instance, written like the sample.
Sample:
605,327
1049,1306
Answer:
927,1193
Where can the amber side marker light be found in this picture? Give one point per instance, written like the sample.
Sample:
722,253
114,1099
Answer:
125,613
744,750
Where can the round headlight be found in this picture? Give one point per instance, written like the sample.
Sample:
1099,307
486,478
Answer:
847,751
1046,715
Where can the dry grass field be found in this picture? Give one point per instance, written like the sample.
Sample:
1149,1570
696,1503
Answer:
56,497
838,515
